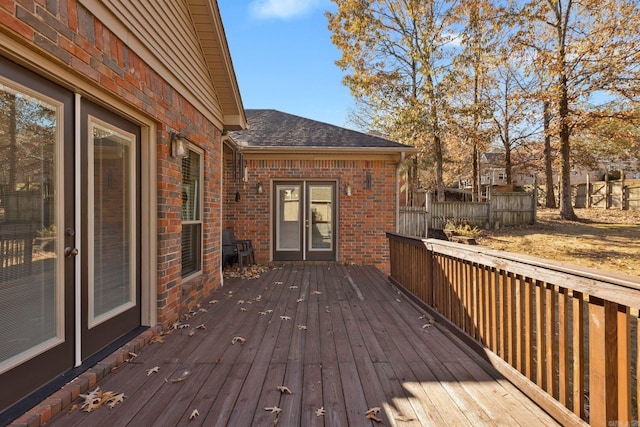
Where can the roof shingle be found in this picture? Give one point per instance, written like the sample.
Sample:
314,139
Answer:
272,128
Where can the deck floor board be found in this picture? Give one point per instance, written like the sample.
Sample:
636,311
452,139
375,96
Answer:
364,346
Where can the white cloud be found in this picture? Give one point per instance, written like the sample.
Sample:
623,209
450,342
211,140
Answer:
282,9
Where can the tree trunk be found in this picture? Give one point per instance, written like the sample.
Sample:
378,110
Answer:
566,205
507,164
437,148
548,160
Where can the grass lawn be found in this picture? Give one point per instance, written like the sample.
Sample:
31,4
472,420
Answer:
607,240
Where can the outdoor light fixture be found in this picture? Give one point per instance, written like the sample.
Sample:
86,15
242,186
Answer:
179,145
347,189
259,188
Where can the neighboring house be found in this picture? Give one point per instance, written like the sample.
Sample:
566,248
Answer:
492,169
102,230
303,190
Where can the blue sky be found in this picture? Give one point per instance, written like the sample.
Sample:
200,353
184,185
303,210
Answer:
284,59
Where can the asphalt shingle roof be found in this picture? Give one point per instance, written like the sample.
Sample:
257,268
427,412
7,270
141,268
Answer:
272,128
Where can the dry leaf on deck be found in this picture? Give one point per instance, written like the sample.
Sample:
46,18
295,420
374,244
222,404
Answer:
194,414
316,292
153,370
114,400
262,313
156,338
202,310
320,412
132,356
302,327
300,300
184,376
73,408
258,298
213,301
278,283
273,409
269,311
285,318
201,326
240,301
283,389
243,309
428,325
192,333
371,414
293,287
238,339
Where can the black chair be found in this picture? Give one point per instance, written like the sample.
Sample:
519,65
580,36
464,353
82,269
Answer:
234,250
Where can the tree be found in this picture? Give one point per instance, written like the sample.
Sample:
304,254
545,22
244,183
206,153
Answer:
397,56
587,46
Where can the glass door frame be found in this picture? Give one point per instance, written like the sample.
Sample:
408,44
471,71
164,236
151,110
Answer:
305,222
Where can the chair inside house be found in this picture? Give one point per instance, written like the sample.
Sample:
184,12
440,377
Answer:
234,250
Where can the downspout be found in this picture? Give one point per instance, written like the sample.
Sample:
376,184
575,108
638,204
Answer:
224,137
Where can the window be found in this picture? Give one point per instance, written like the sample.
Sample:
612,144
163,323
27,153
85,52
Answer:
192,212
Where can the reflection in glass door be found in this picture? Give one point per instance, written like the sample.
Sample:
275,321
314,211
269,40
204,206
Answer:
320,211
35,322
111,223
288,230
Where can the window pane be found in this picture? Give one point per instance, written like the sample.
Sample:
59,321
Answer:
29,268
191,187
190,248
321,198
288,211
112,284
191,221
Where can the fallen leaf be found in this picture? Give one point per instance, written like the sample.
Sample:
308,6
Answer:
218,359
156,338
283,389
213,301
240,301
192,333
371,414
398,300
184,376
276,421
428,324
202,310
302,327
184,326
262,313
243,309
201,326
293,287
153,370
278,283
194,414
316,292
424,316
273,409
320,412
405,418
269,311
258,298
285,317
238,339
300,300
113,401
132,356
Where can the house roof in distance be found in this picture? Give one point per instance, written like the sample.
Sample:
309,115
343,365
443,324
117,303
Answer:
275,129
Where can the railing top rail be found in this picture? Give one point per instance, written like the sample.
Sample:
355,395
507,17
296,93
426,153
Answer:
619,288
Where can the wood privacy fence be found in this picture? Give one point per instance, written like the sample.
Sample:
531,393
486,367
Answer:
566,337
502,209
607,195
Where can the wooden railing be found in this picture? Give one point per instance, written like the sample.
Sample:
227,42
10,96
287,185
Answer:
567,337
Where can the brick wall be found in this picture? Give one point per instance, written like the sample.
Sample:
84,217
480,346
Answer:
66,33
363,218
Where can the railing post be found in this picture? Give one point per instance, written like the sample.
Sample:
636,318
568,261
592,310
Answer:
603,358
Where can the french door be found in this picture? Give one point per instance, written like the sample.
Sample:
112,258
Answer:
304,220
69,230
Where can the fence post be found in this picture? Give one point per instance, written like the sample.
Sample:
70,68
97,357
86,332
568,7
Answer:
427,216
535,197
489,210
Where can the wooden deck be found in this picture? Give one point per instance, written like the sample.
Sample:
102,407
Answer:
364,346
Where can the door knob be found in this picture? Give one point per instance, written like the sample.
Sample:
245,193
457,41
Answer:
69,252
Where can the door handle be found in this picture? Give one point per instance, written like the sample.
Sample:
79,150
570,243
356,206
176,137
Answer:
69,252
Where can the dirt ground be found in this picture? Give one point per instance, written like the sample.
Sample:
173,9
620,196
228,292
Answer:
607,240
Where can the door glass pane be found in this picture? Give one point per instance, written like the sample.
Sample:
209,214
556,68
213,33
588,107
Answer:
30,271
288,211
111,222
320,217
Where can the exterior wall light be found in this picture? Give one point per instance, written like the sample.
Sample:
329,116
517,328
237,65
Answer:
347,189
259,188
179,145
